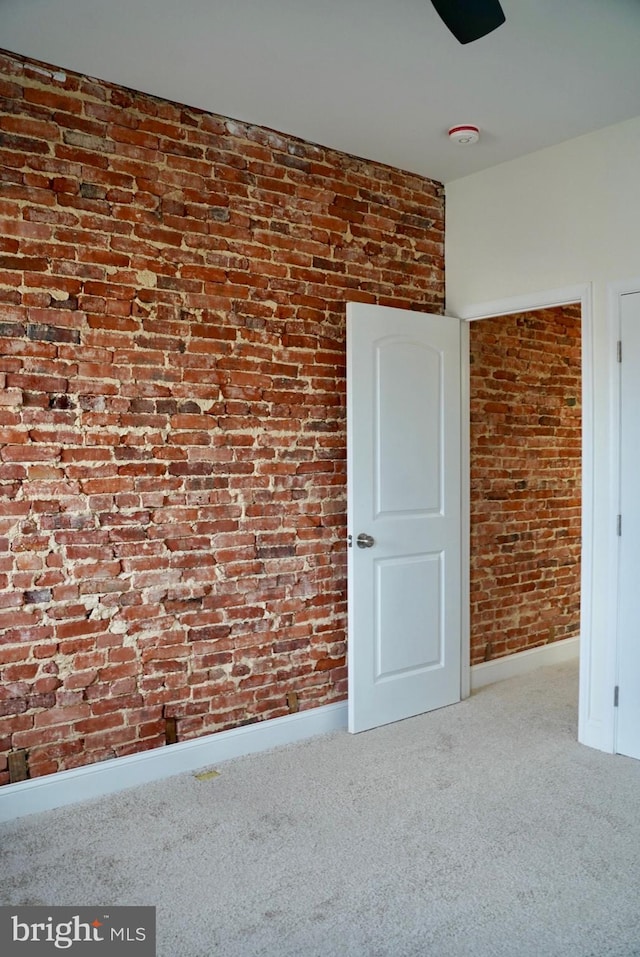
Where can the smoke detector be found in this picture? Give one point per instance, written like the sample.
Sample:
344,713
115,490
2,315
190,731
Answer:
464,134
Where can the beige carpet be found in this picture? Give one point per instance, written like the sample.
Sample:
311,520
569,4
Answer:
481,829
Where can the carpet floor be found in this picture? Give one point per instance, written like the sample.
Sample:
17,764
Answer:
480,830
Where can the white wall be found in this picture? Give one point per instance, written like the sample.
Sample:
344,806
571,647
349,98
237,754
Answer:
558,217
565,216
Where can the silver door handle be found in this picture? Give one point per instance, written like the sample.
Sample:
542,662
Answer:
365,541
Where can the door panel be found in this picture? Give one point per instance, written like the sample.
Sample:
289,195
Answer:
403,422
407,376
409,589
628,712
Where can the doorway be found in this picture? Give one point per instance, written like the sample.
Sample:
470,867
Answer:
525,480
557,298
590,724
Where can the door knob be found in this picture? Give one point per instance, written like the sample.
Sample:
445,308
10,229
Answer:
364,541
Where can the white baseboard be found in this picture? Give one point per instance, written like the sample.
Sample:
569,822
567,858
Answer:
524,661
107,777
118,774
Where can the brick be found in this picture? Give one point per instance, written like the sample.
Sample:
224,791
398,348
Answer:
55,716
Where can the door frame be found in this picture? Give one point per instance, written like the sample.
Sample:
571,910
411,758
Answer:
591,678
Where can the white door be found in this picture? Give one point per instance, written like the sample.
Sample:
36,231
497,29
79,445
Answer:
403,480
628,680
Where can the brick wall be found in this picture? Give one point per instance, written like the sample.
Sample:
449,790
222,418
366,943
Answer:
172,431
525,481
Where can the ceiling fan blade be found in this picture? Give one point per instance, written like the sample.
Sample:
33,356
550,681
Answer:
469,20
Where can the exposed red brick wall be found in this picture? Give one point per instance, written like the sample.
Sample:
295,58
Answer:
525,481
172,431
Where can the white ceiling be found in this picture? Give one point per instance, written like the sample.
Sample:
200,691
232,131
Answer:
381,79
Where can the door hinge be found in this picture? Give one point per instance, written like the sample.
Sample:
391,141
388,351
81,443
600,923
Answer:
619,525
619,350
616,696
